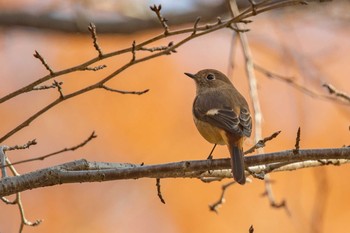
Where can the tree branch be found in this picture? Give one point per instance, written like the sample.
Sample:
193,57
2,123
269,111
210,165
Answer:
205,29
307,91
84,171
342,95
201,30
73,148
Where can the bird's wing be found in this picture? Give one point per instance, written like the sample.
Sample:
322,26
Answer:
245,120
219,113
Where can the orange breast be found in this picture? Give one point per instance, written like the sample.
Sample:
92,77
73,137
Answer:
211,133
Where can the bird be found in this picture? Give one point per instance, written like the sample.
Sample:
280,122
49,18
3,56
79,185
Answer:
221,115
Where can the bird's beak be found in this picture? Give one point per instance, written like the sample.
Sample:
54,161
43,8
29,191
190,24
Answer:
191,75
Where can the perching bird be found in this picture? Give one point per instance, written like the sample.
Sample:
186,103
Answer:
222,116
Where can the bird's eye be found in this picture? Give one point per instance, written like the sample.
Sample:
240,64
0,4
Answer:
210,77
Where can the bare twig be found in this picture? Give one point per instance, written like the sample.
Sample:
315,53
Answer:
290,81
246,21
73,148
214,207
96,68
196,24
18,201
253,6
8,202
238,30
3,162
159,48
21,147
297,142
287,166
269,193
92,29
125,92
261,142
133,51
156,9
38,56
45,87
24,220
159,192
59,88
342,95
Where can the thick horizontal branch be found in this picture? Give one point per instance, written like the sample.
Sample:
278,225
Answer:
84,171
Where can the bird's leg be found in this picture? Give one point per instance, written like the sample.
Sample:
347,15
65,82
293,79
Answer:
211,152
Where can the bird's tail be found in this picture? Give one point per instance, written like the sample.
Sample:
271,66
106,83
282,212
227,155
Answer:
237,163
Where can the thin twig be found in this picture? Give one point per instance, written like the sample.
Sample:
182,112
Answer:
251,229
196,25
38,56
45,87
96,68
269,193
24,220
92,29
159,48
133,51
73,148
21,147
262,142
290,81
18,201
8,202
292,166
153,49
331,89
238,30
214,207
125,92
3,162
159,192
59,88
254,6
297,142
156,9
219,20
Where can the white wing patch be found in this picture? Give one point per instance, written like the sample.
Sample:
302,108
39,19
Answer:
212,112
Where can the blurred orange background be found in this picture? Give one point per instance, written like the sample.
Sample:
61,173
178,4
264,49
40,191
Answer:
157,127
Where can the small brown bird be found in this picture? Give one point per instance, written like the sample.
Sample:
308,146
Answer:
221,115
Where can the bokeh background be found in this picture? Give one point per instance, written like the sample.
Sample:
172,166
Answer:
309,44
